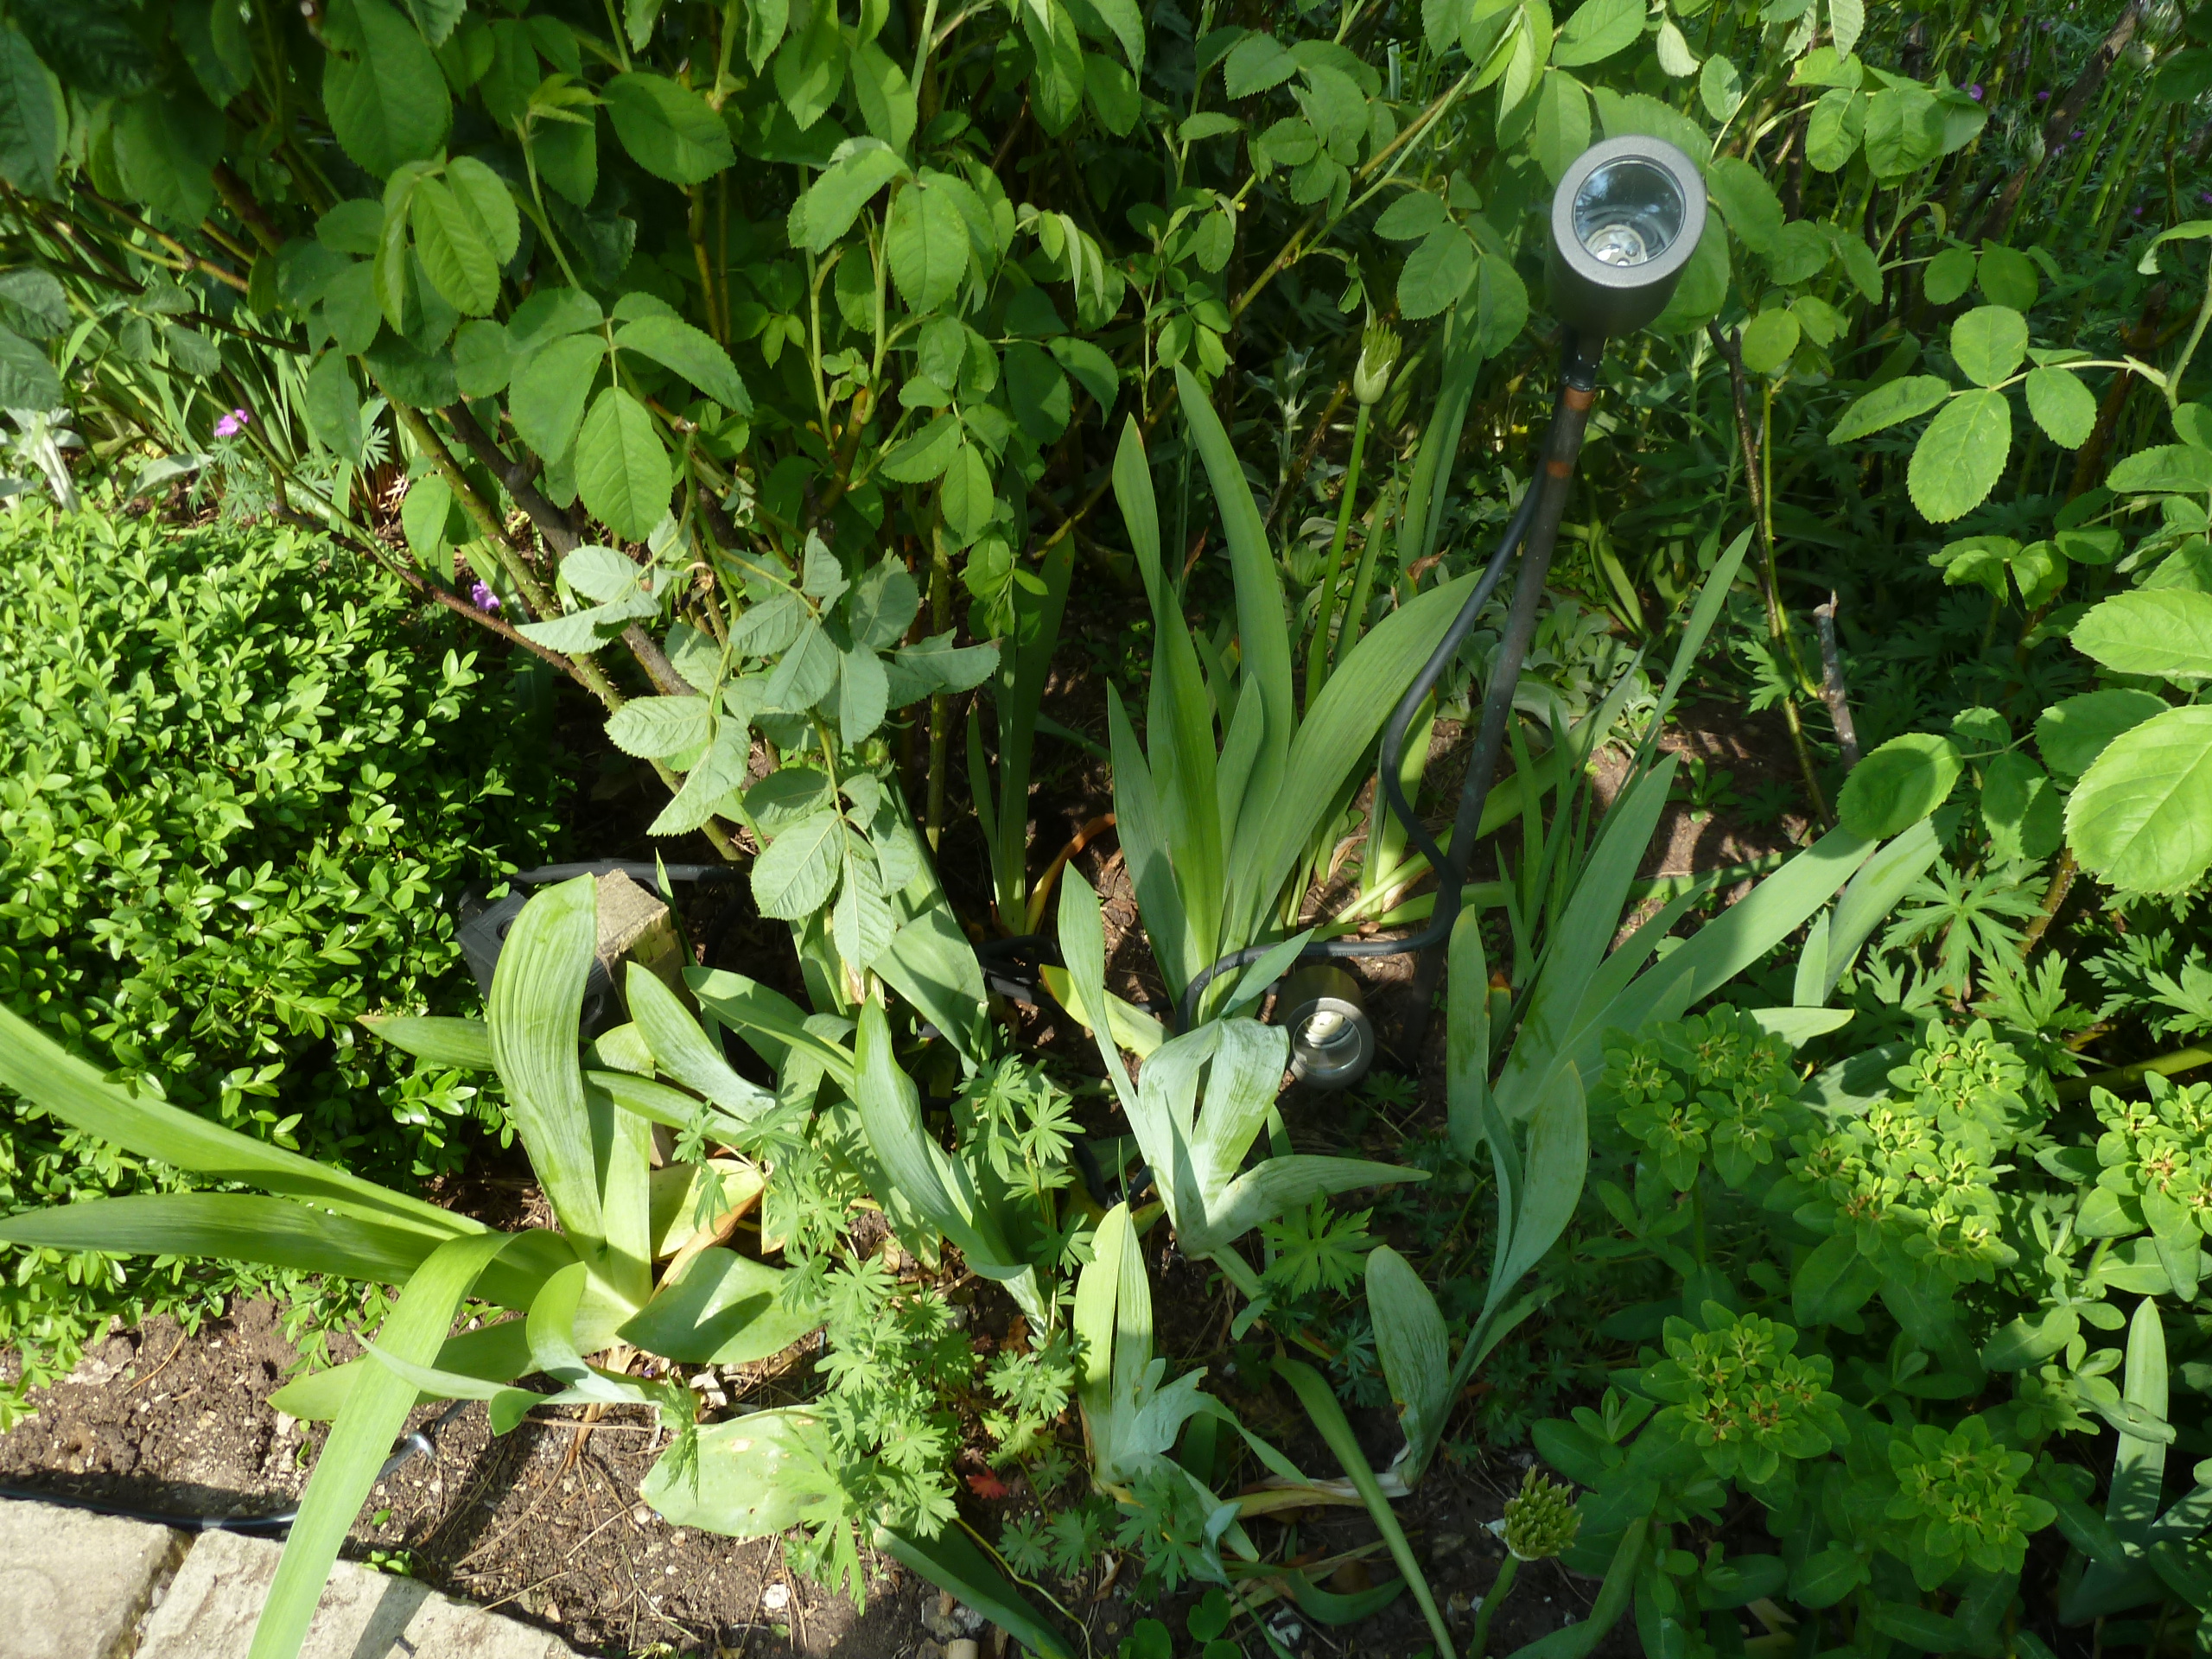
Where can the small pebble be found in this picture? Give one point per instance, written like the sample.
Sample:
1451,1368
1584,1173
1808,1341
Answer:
776,1597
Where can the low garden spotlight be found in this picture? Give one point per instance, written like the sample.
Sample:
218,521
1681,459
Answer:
1624,221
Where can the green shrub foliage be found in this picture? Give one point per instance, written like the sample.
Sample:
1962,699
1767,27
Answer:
242,779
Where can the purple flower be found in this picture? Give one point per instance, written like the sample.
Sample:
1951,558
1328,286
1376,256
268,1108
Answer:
2204,195
1974,92
482,597
2044,96
232,424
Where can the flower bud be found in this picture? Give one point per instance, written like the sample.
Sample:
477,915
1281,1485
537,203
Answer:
1541,1519
1378,355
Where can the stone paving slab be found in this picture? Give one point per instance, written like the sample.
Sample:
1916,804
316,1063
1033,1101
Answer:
74,1584
210,1610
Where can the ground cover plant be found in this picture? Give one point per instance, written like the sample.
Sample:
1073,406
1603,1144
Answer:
1809,1176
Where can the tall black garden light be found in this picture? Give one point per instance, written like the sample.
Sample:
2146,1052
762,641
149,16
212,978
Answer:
1624,221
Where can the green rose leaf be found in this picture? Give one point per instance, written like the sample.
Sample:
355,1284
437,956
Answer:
1902,399
622,470
2141,816
668,130
797,872
923,456
1988,343
2073,733
675,343
927,242
1949,274
451,243
1769,339
1597,29
1898,785
31,118
1960,456
965,495
1436,273
387,101
827,211
166,148
655,728
2170,466
2167,633
548,397
2062,406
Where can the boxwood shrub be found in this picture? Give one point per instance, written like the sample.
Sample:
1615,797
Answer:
242,779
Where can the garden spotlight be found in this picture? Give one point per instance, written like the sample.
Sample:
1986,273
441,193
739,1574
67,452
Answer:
1625,219
1332,1045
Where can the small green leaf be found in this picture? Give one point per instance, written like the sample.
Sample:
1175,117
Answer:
547,398
965,496
863,693
1747,201
1597,29
2008,278
1833,131
1902,399
827,211
1988,343
2172,467
2062,406
451,245
387,101
655,728
1949,274
925,454
926,240
796,872
1561,131
2167,633
2141,816
669,131
1411,217
622,468
1436,273
1898,785
1960,456
2073,733
31,118
1768,340
675,343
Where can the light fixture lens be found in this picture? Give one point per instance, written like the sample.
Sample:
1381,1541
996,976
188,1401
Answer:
1627,213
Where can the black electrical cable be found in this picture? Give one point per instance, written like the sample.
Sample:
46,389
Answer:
417,1445
1535,524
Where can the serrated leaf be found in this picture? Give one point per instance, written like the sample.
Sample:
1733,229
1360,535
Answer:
1988,343
1093,369
1561,130
1902,399
669,130
1898,785
1747,201
1949,274
1834,128
2062,406
675,343
2141,816
31,118
2073,733
798,871
1597,29
546,400
453,249
484,194
926,240
2175,467
1255,64
923,456
807,670
861,923
863,694
1436,273
387,101
622,467
655,728
827,211
1769,339
768,627
2167,633
1411,217
884,604
1960,456
965,496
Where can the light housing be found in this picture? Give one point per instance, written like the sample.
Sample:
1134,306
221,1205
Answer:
1625,219
1331,1041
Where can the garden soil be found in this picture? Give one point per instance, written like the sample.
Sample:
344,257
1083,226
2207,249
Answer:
551,1531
